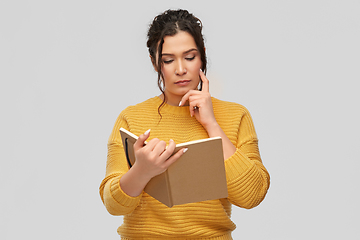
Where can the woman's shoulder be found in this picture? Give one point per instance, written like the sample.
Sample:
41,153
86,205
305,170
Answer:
142,106
227,106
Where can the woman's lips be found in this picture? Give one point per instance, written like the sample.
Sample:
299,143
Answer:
182,82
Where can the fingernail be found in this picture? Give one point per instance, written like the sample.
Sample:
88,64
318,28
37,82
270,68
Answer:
179,103
185,150
147,132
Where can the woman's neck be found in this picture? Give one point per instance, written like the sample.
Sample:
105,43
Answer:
173,102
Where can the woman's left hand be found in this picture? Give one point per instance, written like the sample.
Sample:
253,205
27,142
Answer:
204,113
200,103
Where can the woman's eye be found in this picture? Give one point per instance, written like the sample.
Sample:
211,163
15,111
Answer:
190,58
168,61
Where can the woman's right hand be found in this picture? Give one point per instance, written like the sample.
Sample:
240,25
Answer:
154,158
151,159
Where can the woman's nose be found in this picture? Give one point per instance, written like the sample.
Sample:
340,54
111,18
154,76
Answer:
180,69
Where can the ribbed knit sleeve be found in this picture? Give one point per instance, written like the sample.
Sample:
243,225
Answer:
115,200
247,178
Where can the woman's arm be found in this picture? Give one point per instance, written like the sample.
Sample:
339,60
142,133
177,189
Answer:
122,187
247,178
116,201
201,107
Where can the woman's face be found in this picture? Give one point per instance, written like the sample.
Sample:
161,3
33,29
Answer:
181,65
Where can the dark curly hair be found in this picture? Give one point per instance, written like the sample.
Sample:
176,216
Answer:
168,24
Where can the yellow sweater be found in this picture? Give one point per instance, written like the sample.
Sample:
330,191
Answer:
145,217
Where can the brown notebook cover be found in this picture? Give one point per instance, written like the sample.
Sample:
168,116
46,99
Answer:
198,175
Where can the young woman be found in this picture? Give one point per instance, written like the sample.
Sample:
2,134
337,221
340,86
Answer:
184,111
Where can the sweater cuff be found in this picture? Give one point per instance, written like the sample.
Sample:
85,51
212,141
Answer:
120,196
236,165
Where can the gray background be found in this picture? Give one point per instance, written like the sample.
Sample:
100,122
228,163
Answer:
68,68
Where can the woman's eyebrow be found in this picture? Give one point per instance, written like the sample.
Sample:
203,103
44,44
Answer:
186,52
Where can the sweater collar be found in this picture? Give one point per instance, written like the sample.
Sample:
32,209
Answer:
175,110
